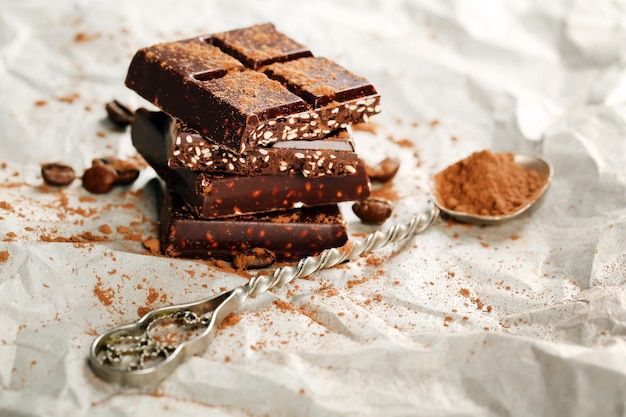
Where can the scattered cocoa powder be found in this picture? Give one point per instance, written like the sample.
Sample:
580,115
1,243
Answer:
143,310
106,229
487,183
5,205
105,295
283,306
386,191
153,295
230,320
329,291
366,127
373,260
353,282
153,245
70,98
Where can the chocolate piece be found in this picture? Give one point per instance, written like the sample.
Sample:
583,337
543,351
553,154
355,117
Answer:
373,210
259,45
211,91
211,196
290,235
333,156
57,174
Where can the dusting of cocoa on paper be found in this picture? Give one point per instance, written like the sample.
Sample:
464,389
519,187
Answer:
105,295
230,320
366,127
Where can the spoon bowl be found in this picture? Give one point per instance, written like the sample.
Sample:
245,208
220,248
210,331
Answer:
530,162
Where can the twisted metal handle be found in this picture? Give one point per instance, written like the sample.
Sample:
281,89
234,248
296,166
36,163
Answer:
334,256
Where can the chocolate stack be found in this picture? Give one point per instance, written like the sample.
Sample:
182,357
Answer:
253,142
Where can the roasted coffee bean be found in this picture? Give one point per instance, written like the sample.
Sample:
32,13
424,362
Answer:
119,113
384,171
373,210
58,174
127,172
99,179
254,258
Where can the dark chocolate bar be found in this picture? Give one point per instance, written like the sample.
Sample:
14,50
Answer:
291,234
212,195
333,156
296,96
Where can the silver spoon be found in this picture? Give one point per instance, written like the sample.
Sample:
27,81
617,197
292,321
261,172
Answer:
148,350
530,162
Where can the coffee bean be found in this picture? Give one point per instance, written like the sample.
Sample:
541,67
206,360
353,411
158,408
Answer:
127,172
373,210
99,179
58,174
119,113
254,258
384,171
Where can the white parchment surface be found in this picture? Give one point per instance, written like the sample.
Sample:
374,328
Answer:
522,319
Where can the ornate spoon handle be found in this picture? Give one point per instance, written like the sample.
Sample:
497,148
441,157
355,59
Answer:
148,350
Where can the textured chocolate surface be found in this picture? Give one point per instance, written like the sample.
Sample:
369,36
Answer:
210,196
333,156
259,45
215,93
319,80
290,235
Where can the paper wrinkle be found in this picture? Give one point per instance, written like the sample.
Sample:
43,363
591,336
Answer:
535,114
609,264
8,331
596,32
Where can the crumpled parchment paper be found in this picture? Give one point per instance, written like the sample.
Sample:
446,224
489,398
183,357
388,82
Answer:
525,318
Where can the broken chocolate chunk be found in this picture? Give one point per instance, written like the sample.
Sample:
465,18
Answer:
332,156
214,195
245,107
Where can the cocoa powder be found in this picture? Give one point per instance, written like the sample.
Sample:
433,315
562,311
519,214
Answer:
486,183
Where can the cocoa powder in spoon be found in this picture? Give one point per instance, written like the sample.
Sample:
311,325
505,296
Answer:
486,183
